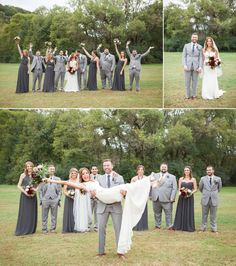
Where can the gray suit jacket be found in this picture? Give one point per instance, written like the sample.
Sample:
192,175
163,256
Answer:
166,192
135,61
34,61
190,58
56,188
210,191
107,62
60,65
82,59
116,180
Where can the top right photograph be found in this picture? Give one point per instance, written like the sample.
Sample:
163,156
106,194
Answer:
200,54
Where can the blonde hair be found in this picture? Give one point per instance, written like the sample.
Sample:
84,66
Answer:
25,169
214,48
73,170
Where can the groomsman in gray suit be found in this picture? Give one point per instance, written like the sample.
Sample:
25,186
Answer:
82,71
109,179
163,196
37,68
135,66
210,185
94,176
60,67
50,196
107,66
192,62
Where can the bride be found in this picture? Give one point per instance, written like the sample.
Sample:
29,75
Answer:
135,202
211,70
71,75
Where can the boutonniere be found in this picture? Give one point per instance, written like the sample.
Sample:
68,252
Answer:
167,176
216,182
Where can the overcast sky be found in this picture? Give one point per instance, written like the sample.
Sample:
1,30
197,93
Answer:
33,4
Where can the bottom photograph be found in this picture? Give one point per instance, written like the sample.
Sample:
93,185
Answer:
101,186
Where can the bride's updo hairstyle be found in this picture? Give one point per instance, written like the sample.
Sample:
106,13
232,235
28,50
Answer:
80,173
214,48
72,56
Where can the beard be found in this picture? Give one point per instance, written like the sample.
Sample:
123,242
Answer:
163,171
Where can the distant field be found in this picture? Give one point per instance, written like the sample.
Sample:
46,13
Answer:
174,90
149,248
149,97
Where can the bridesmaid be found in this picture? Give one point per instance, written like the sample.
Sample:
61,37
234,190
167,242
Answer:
68,216
184,217
143,222
119,75
48,84
27,215
93,67
23,72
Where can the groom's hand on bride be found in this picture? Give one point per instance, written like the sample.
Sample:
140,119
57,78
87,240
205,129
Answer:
93,193
123,192
199,70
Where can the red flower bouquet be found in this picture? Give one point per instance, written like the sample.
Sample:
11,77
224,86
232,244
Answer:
185,192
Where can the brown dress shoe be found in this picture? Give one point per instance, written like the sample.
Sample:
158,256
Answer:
100,255
121,256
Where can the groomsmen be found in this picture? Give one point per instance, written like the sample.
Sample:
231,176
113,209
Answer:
109,179
163,196
135,65
82,71
94,176
38,67
210,185
107,66
60,67
50,196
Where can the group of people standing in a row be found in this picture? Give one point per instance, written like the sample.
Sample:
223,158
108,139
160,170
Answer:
73,68
79,205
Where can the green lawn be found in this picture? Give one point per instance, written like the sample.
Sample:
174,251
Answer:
149,97
174,89
149,248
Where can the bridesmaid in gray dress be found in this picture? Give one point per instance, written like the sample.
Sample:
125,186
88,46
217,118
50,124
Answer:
184,217
23,72
48,84
68,216
27,216
93,67
143,222
119,75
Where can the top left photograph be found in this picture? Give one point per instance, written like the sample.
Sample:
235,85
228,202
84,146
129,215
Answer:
81,54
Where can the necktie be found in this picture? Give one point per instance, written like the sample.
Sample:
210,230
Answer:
108,181
193,47
210,180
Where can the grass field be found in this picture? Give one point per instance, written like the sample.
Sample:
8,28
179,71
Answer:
174,89
149,248
150,96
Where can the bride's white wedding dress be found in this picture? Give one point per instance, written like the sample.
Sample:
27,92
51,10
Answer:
135,202
210,86
72,80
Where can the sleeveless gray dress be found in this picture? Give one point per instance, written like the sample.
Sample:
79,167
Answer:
27,215
184,217
92,76
23,76
119,80
48,84
68,216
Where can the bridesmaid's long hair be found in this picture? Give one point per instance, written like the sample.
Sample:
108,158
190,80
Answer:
80,173
190,174
123,53
214,48
25,169
72,56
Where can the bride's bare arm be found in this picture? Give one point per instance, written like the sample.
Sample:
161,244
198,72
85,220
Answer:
61,182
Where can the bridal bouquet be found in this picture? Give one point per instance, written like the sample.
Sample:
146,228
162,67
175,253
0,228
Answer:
29,189
71,193
117,41
82,44
213,62
17,39
185,192
71,70
48,44
39,172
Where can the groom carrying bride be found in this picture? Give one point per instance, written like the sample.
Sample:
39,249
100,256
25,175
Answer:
192,62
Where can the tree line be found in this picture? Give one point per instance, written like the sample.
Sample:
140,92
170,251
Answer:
91,22
76,138
215,18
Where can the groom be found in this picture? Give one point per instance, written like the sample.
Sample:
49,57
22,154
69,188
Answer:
109,179
210,185
192,62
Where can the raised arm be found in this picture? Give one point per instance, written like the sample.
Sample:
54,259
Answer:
127,49
61,182
125,63
30,51
85,63
98,49
19,50
97,62
87,53
147,52
117,51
